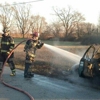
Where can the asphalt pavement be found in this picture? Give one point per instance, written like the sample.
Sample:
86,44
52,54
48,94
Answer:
44,88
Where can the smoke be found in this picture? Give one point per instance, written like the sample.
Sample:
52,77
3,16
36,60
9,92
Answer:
88,82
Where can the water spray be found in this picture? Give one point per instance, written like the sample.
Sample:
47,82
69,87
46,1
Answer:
68,55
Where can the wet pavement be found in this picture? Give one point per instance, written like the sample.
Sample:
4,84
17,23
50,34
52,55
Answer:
41,87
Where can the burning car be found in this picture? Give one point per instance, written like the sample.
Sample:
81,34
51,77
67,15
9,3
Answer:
89,65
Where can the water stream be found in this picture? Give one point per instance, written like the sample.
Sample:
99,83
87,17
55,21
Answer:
66,54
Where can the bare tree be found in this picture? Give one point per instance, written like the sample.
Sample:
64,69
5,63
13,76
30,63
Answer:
69,19
22,17
39,23
89,28
6,17
56,27
85,29
79,30
47,34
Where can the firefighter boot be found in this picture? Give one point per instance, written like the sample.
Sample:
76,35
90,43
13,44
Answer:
31,74
26,75
13,73
12,67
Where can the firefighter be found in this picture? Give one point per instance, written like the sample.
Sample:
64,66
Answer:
7,45
30,48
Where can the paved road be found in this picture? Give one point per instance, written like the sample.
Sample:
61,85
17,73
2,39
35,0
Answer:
45,88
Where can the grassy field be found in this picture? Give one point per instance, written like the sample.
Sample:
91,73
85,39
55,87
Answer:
55,43
50,42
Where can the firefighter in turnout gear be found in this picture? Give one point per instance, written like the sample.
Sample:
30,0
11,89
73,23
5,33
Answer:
30,48
7,45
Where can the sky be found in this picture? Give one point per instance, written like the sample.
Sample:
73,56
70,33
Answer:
90,9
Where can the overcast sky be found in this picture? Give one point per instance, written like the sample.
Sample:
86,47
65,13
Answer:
89,8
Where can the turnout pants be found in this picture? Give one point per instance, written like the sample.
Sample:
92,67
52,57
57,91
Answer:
28,66
3,58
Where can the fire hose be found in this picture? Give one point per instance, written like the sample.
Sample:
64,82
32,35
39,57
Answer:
1,79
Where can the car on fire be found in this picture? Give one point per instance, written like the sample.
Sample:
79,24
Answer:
89,65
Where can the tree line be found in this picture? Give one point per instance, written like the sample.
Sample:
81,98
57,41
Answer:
67,25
